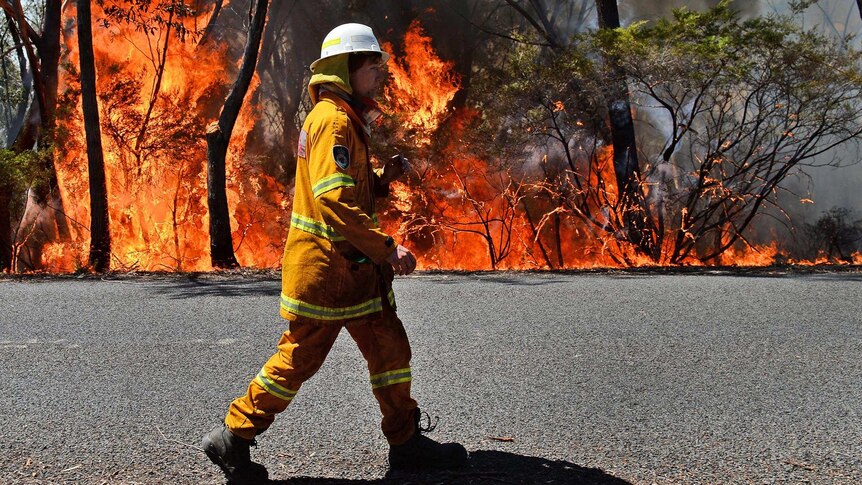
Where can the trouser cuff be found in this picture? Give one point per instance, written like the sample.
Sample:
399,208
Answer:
244,433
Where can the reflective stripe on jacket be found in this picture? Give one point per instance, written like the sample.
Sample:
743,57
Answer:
332,267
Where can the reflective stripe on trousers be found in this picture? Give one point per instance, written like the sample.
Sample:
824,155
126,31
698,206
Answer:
302,350
299,307
392,377
272,387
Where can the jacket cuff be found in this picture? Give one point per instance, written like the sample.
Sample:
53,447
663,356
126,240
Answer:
385,251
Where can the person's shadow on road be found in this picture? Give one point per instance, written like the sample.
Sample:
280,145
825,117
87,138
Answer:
487,467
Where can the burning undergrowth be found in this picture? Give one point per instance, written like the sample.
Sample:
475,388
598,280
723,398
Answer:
521,178
156,98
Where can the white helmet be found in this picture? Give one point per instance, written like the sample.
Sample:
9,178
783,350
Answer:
347,38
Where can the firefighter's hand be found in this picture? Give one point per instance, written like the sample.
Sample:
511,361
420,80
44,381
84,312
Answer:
402,260
394,168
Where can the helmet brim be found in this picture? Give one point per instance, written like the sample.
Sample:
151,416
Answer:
384,56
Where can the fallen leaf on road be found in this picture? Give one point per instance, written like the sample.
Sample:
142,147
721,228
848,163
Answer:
29,462
799,464
501,438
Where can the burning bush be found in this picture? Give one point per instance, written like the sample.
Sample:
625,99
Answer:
727,110
156,97
510,140
834,237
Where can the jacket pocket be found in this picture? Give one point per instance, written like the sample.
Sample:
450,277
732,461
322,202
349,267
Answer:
356,281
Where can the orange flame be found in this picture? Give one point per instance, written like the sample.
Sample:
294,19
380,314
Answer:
457,211
157,183
421,85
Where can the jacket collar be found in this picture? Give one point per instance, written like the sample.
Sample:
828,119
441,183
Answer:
364,111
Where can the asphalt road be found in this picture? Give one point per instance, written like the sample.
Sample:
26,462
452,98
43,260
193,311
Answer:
590,378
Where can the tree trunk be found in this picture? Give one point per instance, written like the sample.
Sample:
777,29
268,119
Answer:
17,120
208,31
27,137
218,138
463,36
49,58
4,72
5,230
625,149
859,7
37,132
39,126
100,236
619,109
49,61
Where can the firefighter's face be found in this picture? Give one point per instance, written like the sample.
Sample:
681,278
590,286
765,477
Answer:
368,79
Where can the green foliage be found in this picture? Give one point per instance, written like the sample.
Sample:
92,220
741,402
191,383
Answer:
726,110
538,96
20,170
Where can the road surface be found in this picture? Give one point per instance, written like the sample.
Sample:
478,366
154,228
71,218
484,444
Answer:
607,377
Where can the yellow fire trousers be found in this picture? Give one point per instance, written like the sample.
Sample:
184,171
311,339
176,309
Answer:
301,351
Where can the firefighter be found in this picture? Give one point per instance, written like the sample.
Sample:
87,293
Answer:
337,270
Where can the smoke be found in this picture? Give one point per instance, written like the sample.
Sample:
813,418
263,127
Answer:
635,10
830,186
296,29
826,185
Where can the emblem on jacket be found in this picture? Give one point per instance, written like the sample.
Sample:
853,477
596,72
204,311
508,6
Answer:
342,156
303,140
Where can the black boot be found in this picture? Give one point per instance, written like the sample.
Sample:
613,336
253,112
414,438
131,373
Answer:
230,453
423,453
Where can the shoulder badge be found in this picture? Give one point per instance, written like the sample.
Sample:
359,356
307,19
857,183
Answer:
342,156
303,140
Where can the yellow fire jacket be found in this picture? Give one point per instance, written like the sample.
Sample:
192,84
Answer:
334,259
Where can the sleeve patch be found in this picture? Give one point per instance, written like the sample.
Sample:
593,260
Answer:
303,140
342,156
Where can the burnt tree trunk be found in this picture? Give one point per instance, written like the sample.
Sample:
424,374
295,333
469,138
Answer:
208,31
619,108
49,60
218,139
460,46
27,137
45,66
631,200
100,236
